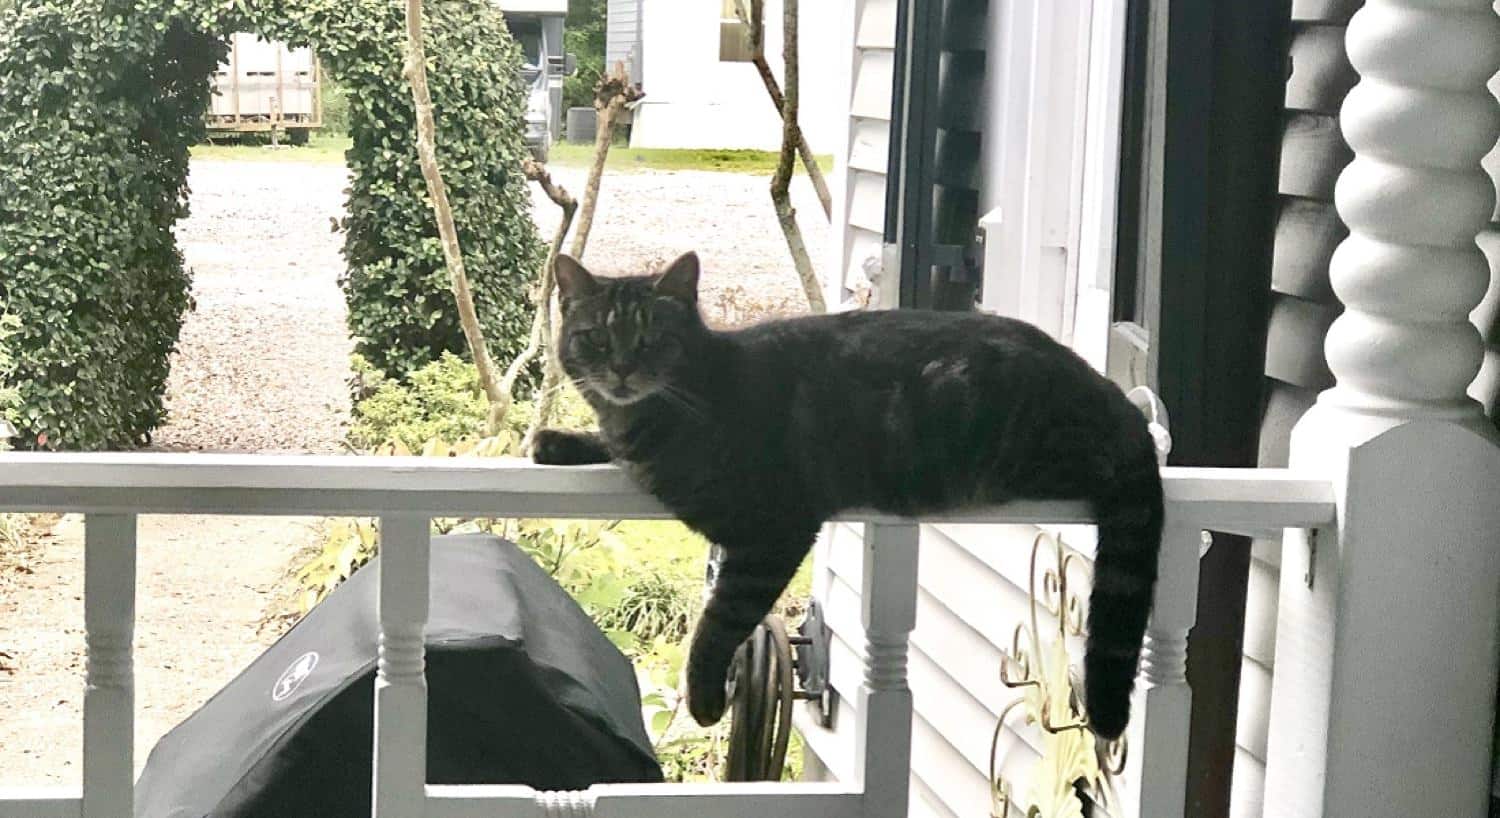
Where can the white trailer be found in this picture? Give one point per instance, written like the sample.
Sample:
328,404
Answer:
266,86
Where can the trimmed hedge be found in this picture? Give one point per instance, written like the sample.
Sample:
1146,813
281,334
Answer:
99,103
97,111
401,309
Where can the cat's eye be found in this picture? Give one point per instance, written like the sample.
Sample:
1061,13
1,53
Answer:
596,337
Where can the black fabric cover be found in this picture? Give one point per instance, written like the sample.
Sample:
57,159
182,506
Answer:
523,688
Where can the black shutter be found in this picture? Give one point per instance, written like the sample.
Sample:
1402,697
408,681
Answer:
1197,214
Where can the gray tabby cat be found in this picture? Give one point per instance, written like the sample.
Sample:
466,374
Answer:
755,437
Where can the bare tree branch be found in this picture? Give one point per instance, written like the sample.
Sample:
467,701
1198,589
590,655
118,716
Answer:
416,75
541,322
611,95
755,19
791,134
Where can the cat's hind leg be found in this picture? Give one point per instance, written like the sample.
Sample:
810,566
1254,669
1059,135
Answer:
559,447
749,582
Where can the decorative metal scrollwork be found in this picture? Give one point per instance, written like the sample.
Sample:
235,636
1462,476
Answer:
1074,762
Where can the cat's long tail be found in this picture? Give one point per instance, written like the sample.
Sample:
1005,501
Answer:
1129,513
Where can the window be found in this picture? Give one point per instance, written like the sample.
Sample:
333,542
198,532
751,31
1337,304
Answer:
734,31
528,33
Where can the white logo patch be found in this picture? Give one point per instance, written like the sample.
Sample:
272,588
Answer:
293,677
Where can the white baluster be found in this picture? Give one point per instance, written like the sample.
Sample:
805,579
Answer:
1414,198
566,804
1157,740
400,682
883,735
109,697
1384,611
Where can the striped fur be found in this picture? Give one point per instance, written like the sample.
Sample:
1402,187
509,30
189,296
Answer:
757,436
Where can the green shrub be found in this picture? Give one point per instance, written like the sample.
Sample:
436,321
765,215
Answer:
99,102
335,100
442,401
9,398
401,310
97,111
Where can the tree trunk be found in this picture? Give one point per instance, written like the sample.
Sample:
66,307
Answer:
416,75
791,135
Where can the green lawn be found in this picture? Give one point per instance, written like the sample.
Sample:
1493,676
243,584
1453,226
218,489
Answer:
621,157
320,148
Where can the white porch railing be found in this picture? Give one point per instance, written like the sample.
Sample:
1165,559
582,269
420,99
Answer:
405,493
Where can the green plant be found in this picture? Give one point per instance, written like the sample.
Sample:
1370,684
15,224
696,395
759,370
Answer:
335,100
439,401
99,103
9,398
401,309
96,113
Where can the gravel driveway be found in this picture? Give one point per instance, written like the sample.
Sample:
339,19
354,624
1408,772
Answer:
261,367
262,363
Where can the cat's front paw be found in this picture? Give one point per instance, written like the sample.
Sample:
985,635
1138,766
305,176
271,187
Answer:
707,693
550,447
557,447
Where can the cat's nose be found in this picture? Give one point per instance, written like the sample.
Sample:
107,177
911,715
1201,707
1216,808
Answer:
622,368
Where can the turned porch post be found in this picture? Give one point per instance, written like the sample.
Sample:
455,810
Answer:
1386,653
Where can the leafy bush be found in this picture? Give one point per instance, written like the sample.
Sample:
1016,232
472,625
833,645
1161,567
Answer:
401,309
99,103
441,401
335,100
97,111
9,398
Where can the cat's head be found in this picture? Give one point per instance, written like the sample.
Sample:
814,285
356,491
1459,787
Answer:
625,338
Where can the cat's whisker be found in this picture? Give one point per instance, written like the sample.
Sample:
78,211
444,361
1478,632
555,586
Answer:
683,400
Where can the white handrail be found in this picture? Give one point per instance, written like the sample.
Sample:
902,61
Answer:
406,492
510,487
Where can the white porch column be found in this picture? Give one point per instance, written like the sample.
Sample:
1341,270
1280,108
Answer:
1386,656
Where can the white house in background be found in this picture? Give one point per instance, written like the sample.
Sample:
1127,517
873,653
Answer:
702,91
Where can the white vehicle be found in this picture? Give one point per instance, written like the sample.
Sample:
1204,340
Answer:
538,26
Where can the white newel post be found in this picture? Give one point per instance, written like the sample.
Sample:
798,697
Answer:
400,681
1386,653
883,735
109,692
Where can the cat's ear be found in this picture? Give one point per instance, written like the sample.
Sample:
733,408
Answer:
679,279
573,281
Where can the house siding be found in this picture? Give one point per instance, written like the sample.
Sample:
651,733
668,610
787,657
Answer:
860,215
622,36
693,99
